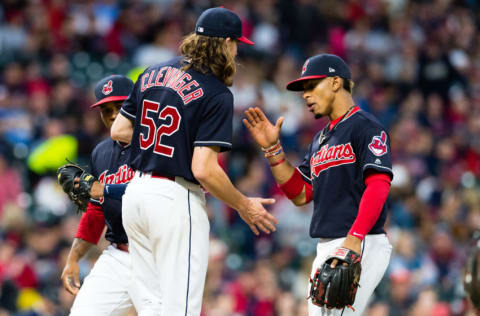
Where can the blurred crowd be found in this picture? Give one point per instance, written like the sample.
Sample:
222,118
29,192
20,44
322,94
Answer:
416,67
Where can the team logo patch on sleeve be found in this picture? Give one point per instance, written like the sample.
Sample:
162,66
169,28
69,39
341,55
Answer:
107,88
378,145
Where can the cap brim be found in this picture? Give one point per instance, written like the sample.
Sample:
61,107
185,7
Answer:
297,84
245,40
109,99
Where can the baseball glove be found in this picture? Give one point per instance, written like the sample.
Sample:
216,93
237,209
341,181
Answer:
78,192
337,287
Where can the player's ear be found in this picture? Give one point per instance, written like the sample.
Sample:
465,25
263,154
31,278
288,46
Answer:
336,83
228,42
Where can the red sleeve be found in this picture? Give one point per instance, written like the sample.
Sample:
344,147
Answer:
308,192
371,204
294,186
91,225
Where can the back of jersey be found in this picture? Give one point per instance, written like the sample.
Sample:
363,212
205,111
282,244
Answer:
172,111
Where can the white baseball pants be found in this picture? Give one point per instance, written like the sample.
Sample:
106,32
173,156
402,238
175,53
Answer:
168,232
375,258
105,291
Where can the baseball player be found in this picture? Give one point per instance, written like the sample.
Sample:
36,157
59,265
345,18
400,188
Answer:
178,118
105,290
471,281
346,173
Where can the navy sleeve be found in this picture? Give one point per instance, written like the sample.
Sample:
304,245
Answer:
216,126
304,168
373,150
91,166
114,191
94,172
129,107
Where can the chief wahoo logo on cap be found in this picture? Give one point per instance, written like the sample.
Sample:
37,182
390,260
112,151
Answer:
304,68
107,88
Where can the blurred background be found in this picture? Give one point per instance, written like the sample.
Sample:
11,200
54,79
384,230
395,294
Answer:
416,65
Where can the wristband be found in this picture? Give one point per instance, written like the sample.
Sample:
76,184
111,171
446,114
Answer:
272,148
271,154
278,162
294,186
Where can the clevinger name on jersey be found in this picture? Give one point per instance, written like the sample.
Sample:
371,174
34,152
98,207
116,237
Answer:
175,79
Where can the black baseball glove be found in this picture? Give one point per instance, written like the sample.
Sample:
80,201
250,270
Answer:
78,192
337,287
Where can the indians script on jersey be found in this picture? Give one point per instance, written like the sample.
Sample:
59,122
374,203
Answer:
331,156
123,175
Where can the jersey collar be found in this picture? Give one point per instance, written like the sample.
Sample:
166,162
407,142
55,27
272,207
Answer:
342,118
328,130
123,145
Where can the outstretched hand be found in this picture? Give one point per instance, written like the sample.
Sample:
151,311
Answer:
257,217
263,131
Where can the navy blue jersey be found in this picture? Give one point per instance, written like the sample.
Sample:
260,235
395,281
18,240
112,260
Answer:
109,164
173,111
335,164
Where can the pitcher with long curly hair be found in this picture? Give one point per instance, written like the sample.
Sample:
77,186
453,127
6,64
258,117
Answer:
178,118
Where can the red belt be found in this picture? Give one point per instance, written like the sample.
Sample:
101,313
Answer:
122,247
156,175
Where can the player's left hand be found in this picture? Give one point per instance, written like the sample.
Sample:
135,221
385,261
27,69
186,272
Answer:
70,278
351,242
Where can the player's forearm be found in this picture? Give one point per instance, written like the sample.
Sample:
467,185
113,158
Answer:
282,171
211,176
214,179
371,205
79,248
122,129
301,199
124,136
281,168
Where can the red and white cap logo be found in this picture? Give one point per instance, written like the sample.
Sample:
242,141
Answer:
107,88
304,68
378,145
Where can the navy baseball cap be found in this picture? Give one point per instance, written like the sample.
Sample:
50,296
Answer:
221,22
112,88
318,67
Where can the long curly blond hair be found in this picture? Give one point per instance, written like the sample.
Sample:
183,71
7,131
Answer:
209,54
